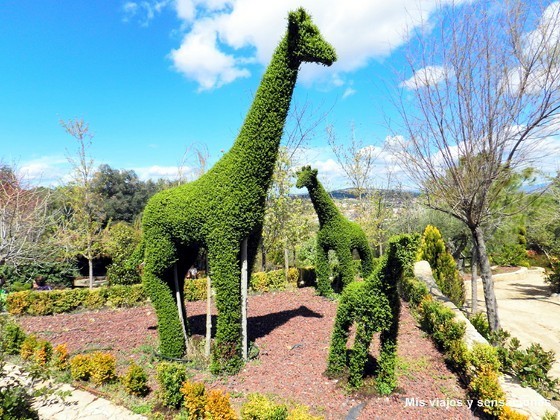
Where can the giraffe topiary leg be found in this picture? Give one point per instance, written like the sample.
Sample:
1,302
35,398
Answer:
345,316
223,259
364,334
158,280
344,255
362,246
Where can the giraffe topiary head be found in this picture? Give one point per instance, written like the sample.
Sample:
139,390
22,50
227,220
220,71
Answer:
306,177
305,41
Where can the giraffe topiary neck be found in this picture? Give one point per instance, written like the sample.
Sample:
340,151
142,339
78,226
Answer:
259,139
322,202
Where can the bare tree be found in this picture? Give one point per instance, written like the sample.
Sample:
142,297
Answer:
484,92
359,162
81,232
24,219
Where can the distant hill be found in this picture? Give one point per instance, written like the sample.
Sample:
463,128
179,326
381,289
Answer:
393,196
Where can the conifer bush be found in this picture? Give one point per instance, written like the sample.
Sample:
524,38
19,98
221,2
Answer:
80,368
218,406
12,337
170,377
444,268
135,381
103,368
60,357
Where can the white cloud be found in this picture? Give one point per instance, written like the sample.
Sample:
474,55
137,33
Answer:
199,59
223,35
427,76
155,172
348,92
143,11
46,170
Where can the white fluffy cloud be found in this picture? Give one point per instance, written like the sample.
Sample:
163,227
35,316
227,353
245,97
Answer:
223,37
427,76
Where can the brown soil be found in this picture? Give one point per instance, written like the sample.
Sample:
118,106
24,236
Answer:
292,330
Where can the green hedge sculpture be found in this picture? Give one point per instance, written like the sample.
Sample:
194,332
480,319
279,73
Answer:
226,205
373,305
335,233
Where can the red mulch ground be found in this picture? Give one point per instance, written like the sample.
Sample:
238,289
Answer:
292,330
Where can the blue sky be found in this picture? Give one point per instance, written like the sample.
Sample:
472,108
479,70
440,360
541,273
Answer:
154,77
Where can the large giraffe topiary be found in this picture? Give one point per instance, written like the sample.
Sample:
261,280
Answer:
336,233
225,206
373,305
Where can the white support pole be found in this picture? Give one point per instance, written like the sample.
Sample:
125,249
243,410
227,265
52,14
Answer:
208,314
244,287
180,304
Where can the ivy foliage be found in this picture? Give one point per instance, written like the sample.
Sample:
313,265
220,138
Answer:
372,305
226,205
444,268
335,233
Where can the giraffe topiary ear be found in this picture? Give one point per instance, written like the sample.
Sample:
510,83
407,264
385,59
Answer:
314,172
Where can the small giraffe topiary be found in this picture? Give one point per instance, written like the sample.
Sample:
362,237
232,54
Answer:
225,206
373,305
335,233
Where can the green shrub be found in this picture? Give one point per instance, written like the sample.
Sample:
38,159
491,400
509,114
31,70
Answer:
41,303
43,353
54,273
260,407
218,406
195,289
485,388
120,242
480,322
484,356
120,296
170,377
439,321
301,412
60,357
135,381
17,303
11,338
553,279
80,367
413,290
102,368
16,402
273,280
444,268
194,398
28,347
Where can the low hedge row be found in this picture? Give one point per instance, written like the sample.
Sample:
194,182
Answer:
479,366
38,303
33,302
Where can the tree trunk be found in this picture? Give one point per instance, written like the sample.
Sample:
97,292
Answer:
474,275
486,276
286,262
90,267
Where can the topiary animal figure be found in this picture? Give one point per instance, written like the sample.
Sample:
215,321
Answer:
373,305
226,205
335,233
